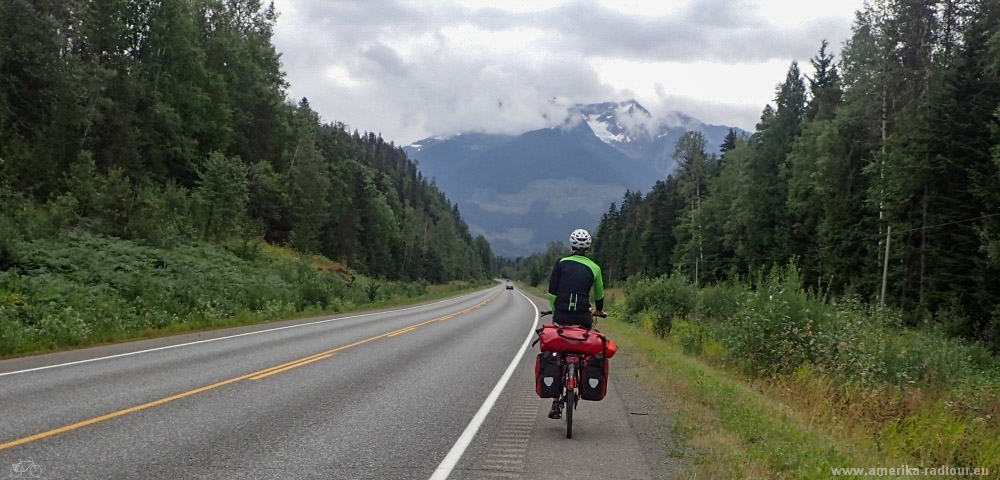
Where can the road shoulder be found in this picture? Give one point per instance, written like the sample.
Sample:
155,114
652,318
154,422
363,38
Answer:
649,418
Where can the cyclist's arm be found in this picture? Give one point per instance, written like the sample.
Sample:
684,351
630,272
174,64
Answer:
598,288
553,286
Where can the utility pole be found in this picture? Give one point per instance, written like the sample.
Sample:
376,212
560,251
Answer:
885,264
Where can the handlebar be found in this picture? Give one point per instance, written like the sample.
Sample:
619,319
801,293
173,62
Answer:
549,312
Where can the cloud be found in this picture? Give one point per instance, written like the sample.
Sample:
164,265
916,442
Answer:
410,69
729,32
388,61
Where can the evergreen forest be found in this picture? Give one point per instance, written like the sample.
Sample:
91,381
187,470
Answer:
164,121
149,127
877,174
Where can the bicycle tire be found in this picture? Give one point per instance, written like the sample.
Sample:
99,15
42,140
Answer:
570,406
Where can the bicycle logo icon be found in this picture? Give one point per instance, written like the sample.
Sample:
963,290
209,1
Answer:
25,469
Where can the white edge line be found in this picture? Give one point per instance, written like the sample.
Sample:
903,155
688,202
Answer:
230,336
456,452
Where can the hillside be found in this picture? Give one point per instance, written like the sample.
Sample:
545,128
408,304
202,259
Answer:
186,134
523,191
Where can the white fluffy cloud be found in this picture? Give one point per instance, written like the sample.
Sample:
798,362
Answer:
410,69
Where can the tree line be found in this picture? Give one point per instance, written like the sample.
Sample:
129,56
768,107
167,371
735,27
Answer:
168,120
877,174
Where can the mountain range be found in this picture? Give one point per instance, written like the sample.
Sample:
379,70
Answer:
526,190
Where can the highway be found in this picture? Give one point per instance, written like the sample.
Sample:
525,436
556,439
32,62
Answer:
438,390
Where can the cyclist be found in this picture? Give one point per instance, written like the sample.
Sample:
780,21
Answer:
570,284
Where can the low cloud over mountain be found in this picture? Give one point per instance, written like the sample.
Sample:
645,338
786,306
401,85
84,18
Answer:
523,191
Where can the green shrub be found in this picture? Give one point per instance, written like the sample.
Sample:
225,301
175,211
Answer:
777,327
10,244
691,336
221,197
77,288
247,249
13,335
161,215
666,297
718,302
780,326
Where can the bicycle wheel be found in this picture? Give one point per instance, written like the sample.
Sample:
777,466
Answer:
570,406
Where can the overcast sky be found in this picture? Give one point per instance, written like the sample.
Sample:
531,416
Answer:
412,69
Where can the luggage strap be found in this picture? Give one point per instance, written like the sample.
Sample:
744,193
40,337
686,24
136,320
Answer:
560,331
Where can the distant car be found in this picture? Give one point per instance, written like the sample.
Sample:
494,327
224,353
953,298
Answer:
510,287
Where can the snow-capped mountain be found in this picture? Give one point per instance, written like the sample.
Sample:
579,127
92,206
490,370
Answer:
630,128
523,191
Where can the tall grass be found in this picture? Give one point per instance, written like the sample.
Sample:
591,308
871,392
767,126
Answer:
911,394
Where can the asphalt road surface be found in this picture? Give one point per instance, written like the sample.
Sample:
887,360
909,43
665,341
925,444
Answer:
438,390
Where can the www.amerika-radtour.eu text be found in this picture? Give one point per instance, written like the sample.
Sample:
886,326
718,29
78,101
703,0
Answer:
906,470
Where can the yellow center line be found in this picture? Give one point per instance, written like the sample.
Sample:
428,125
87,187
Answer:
254,375
400,332
293,363
272,372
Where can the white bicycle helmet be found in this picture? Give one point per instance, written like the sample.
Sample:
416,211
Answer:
580,239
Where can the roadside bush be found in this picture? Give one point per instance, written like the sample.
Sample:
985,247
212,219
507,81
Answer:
665,297
316,291
691,335
780,326
13,335
718,302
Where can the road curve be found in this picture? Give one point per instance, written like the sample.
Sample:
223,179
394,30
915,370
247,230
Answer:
379,395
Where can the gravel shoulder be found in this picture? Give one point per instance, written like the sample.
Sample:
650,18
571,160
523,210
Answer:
649,418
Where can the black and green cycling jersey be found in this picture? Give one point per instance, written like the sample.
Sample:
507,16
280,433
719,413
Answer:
571,283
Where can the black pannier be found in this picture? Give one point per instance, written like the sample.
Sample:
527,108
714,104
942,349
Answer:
548,375
594,378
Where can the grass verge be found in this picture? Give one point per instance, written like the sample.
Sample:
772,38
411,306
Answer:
734,427
733,431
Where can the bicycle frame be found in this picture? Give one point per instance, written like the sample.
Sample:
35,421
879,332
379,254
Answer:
571,378
571,387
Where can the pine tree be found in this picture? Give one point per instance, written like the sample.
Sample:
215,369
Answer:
308,183
666,205
692,172
34,90
767,226
729,142
824,86
607,241
726,218
811,173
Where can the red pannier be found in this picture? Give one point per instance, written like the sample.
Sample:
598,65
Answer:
560,339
